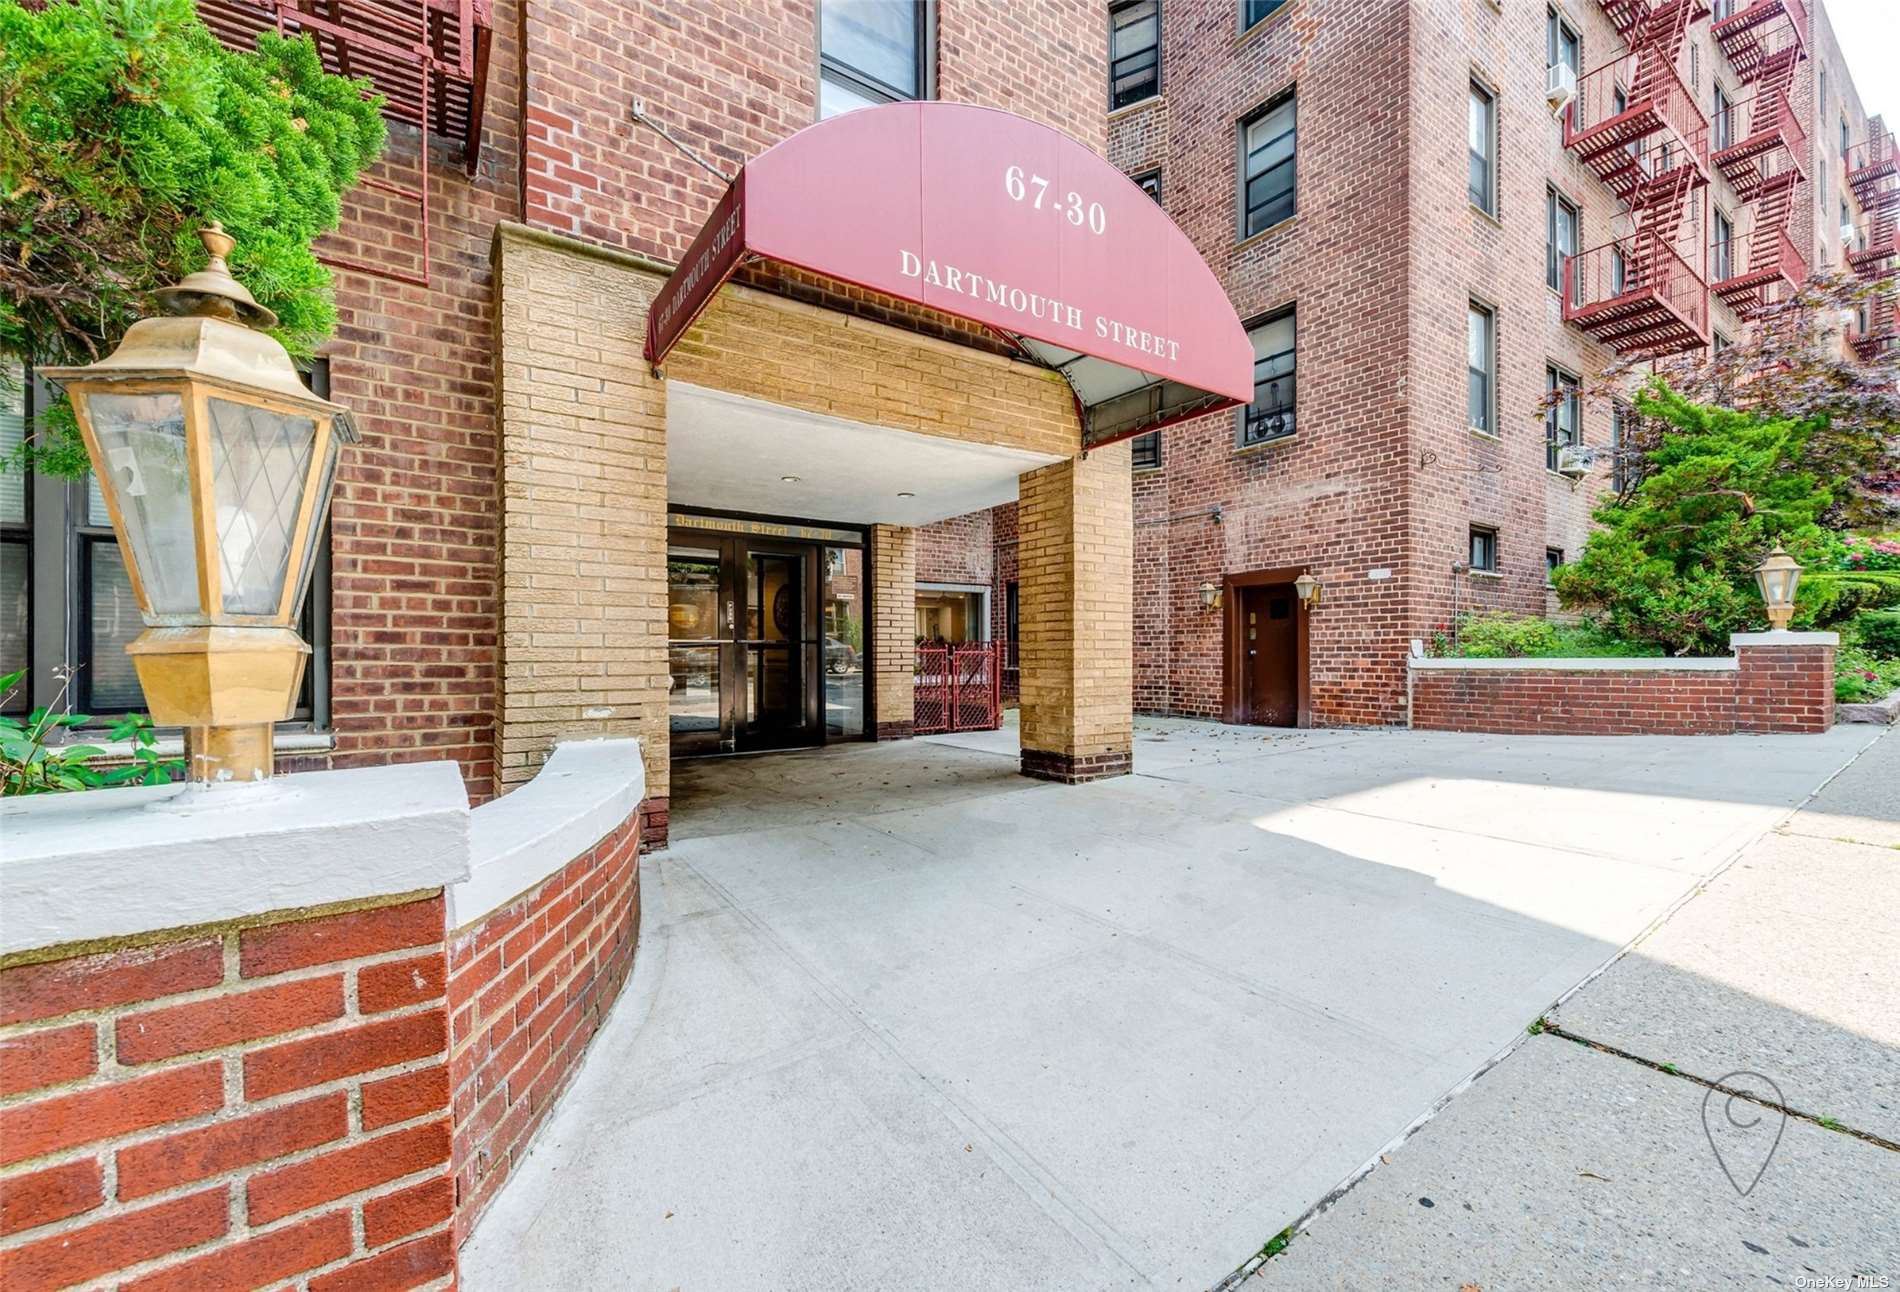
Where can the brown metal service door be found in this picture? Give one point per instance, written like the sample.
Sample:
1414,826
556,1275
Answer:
1270,655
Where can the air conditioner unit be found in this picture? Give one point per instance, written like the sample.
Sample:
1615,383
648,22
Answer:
1847,236
1560,86
1573,461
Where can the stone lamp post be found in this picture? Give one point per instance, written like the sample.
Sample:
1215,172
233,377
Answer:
217,467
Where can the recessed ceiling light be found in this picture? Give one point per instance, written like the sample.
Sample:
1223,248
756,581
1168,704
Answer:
905,493
791,479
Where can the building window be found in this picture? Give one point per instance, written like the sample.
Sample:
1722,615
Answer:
1266,166
1481,139
1484,550
1271,414
1481,362
1257,11
66,597
1146,451
1134,52
869,52
1722,253
1149,183
1560,223
1563,420
1561,43
1553,558
1844,135
1621,473
1012,626
1721,10
1720,122
1721,343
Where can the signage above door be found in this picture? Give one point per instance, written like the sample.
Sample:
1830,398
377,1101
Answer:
987,216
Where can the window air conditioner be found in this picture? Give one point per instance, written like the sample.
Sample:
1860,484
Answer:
1847,236
1560,86
1573,461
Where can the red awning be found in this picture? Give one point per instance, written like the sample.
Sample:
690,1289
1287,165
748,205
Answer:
986,216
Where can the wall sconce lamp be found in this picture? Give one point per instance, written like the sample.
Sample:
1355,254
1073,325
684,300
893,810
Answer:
1777,576
1210,595
1309,589
217,467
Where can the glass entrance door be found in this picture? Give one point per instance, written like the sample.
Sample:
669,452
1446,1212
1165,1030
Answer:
744,644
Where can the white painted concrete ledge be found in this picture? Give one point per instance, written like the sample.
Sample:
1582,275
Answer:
1783,639
580,795
113,863
1603,664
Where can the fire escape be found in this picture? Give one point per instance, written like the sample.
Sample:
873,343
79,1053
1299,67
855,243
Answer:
427,58
1873,172
1759,144
1637,127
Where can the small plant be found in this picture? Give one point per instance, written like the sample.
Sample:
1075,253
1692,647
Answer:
31,765
1829,1123
1537,1027
1276,1244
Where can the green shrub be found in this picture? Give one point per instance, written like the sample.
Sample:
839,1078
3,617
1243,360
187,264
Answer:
1879,632
1496,634
1860,675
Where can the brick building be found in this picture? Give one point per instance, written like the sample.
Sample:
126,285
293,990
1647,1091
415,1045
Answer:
1727,147
498,537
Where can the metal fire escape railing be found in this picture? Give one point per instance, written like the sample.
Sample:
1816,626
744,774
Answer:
1759,146
427,58
1873,172
1638,128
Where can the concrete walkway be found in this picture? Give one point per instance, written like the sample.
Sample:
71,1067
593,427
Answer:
1583,1159
901,1018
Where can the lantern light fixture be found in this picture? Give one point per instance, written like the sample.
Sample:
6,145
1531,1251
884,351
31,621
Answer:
1778,576
1210,595
217,465
1308,589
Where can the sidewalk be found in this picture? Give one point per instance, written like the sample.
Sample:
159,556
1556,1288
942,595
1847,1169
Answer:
1584,1158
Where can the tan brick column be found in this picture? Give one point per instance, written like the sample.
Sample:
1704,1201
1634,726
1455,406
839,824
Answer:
583,505
1075,578
893,628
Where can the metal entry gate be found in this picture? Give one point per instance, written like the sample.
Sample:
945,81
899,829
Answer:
958,687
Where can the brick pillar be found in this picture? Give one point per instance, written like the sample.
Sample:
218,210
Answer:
1075,579
893,628
583,507
1786,681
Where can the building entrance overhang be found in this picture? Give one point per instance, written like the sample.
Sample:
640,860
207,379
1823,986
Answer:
987,217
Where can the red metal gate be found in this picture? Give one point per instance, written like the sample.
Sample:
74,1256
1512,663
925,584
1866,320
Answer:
958,687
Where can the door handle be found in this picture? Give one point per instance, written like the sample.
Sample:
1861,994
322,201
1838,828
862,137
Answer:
1251,654
728,614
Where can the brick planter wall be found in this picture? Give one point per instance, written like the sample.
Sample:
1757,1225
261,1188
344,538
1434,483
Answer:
1774,683
530,984
231,1106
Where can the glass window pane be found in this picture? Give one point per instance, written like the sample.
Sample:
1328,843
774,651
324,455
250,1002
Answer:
875,38
834,97
12,435
1270,146
844,641
1252,11
1478,361
693,706
260,465
692,576
142,438
109,683
1272,413
1134,65
15,639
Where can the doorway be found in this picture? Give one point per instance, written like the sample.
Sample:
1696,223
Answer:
764,641
1265,665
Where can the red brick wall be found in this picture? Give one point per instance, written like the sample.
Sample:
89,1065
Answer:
961,549
1785,688
231,1107
1788,689
529,986
413,636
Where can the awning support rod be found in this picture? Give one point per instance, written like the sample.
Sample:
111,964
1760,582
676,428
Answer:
641,117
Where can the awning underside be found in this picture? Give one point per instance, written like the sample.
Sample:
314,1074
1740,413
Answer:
1117,401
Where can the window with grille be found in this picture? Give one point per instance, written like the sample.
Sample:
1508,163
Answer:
1272,414
1145,450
